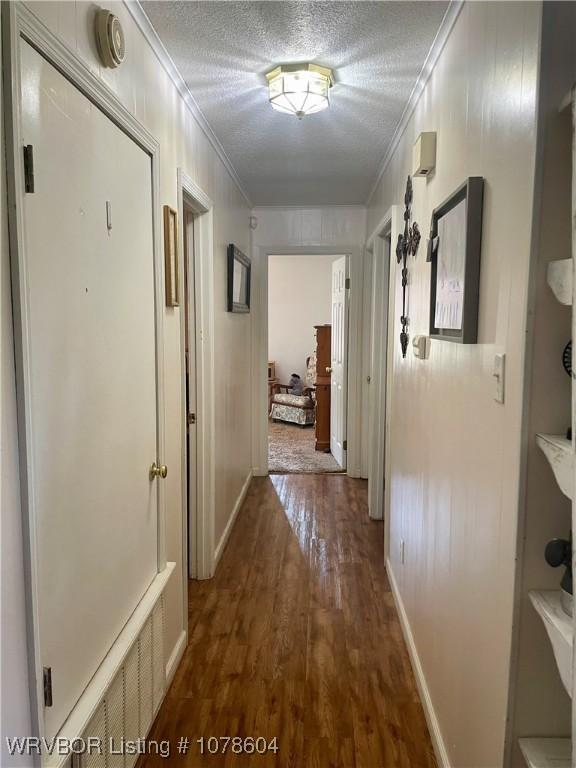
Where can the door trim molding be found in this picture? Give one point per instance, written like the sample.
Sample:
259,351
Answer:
19,25
203,525
260,350
379,281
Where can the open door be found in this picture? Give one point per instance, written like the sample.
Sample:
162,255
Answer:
338,360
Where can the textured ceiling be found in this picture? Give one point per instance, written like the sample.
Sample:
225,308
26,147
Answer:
377,49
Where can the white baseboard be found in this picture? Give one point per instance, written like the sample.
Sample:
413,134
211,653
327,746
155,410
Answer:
431,719
176,657
232,520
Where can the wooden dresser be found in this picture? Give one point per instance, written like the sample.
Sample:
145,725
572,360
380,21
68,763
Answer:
323,384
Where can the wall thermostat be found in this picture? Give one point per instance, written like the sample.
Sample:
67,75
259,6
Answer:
110,38
421,347
424,154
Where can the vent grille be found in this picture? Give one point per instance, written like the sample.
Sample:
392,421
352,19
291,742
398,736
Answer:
158,667
145,676
132,699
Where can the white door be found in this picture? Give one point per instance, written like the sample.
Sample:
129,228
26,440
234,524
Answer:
339,350
91,399
191,418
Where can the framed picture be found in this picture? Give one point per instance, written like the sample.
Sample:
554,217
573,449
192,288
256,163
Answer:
239,270
171,256
454,251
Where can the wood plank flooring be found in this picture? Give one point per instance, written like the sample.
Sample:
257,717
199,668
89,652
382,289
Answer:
297,637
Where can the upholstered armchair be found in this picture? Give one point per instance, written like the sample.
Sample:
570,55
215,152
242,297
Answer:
296,409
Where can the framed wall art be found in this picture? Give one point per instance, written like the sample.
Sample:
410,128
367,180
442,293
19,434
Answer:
239,275
171,256
454,251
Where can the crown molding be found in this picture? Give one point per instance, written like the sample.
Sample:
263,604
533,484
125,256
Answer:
315,207
452,13
145,26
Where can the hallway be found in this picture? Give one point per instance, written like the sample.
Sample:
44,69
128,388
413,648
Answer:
297,637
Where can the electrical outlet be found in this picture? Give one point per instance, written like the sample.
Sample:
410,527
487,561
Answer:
402,551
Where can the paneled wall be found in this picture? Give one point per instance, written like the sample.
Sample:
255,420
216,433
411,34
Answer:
145,88
455,451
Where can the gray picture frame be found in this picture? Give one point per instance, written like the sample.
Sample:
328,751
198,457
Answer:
471,193
239,280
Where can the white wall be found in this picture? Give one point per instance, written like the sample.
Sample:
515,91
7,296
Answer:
146,89
299,297
455,452
15,707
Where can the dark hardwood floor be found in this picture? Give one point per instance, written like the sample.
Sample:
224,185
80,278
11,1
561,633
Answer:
297,637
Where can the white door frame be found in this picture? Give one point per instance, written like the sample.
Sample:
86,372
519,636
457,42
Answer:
259,295
379,281
20,25
198,521
334,448
382,315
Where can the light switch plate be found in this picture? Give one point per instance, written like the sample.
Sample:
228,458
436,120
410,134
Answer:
499,374
421,347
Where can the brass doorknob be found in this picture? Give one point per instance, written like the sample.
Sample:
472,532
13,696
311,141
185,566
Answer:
328,369
158,471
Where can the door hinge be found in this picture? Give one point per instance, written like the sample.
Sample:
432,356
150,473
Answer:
29,168
47,681
191,418
345,445
347,282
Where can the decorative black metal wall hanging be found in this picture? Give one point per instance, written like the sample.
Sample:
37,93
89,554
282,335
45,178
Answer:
567,358
407,246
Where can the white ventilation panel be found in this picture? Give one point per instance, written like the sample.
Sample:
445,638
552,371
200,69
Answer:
158,666
97,730
116,720
131,701
145,677
122,699
132,694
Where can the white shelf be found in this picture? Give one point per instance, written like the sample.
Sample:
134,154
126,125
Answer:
558,451
546,753
559,628
559,277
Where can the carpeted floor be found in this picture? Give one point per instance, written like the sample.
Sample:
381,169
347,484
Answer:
291,449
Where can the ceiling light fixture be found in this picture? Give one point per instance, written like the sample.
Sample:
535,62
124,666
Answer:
299,89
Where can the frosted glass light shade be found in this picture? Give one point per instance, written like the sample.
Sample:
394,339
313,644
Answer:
299,89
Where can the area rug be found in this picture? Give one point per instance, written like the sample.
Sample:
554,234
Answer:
291,449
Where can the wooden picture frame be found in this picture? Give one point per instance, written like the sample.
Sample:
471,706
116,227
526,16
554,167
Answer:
171,276
239,278
454,251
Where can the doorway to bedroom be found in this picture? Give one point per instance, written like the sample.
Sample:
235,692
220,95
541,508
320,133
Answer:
307,363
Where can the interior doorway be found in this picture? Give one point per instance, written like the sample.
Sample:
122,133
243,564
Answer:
196,262
307,405
190,389
382,276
